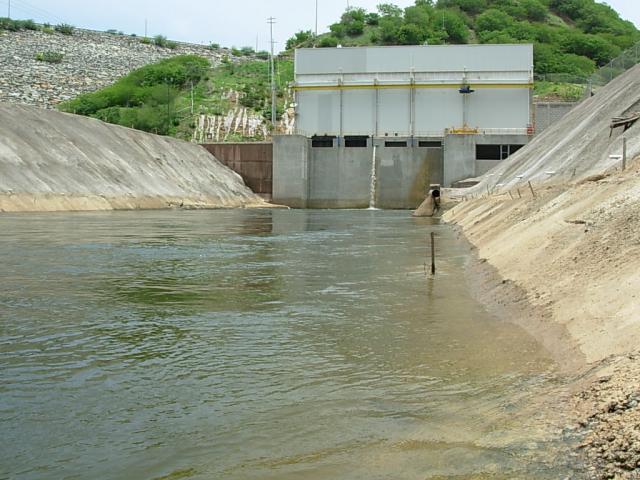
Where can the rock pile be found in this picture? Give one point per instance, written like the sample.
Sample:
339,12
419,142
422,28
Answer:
92,60
611,418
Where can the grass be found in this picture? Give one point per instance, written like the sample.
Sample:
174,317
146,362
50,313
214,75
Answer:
565,92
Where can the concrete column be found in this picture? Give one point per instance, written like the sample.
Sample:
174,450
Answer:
291,170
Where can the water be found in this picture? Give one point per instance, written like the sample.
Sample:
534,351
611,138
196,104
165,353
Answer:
257,344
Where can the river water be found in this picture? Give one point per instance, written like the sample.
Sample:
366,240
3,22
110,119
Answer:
239,344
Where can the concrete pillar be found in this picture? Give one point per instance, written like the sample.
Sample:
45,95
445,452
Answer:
291,170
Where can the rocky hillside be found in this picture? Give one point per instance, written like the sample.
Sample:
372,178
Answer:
58,161
90,60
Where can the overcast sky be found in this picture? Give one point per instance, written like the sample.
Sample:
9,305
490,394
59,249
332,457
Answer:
227,22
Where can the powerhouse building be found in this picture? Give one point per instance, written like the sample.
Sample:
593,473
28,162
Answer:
406,116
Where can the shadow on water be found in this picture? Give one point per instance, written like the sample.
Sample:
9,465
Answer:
259,344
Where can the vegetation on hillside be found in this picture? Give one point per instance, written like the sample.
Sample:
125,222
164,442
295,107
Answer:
569,36
158,98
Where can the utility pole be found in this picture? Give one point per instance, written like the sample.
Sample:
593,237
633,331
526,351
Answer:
9,10
271,21
145,28
316,19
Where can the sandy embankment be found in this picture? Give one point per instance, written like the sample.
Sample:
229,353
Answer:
568,262
51,161
570,257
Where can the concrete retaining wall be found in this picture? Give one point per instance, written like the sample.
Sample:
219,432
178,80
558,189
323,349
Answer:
548,113
252,161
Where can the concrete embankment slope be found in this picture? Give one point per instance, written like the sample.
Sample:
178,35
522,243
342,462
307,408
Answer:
55,161
579,144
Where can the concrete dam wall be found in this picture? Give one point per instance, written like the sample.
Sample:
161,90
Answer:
56,161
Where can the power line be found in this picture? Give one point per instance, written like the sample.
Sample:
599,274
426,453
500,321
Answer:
27,8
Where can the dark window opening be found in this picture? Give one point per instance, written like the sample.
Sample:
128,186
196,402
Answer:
429,144
395,144
515,148
355,142
496,152
322,142
488,152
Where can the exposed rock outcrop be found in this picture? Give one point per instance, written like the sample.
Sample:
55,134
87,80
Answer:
92,60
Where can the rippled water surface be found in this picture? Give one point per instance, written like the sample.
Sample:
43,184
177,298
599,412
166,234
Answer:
256,345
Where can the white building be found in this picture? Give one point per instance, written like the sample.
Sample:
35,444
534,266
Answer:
413,91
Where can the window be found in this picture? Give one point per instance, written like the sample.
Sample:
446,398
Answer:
429,144
355,141
496,152
488,152
514,148
395,144
322,142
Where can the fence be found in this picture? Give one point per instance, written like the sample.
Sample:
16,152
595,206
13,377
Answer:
605,74
628,59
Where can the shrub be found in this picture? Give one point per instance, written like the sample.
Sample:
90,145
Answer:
171,44
493,20
49,57
145,41
247,51
214,46
328,42
262,55
410,34
372,18
29,25
300,38
64,28
160,41
17,25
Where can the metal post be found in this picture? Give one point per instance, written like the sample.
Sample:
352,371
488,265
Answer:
271,21
341,119
624,153
412,93
192,102
316,20
377,100
433,254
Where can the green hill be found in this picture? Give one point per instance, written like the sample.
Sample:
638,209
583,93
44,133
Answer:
166,97
569,36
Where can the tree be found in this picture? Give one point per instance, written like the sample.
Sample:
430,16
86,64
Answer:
493,20
389,10
410,34
301,38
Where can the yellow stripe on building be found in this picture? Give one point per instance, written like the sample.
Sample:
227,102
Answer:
408,85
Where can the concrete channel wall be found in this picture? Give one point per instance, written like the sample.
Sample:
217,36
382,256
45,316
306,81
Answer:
252,161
